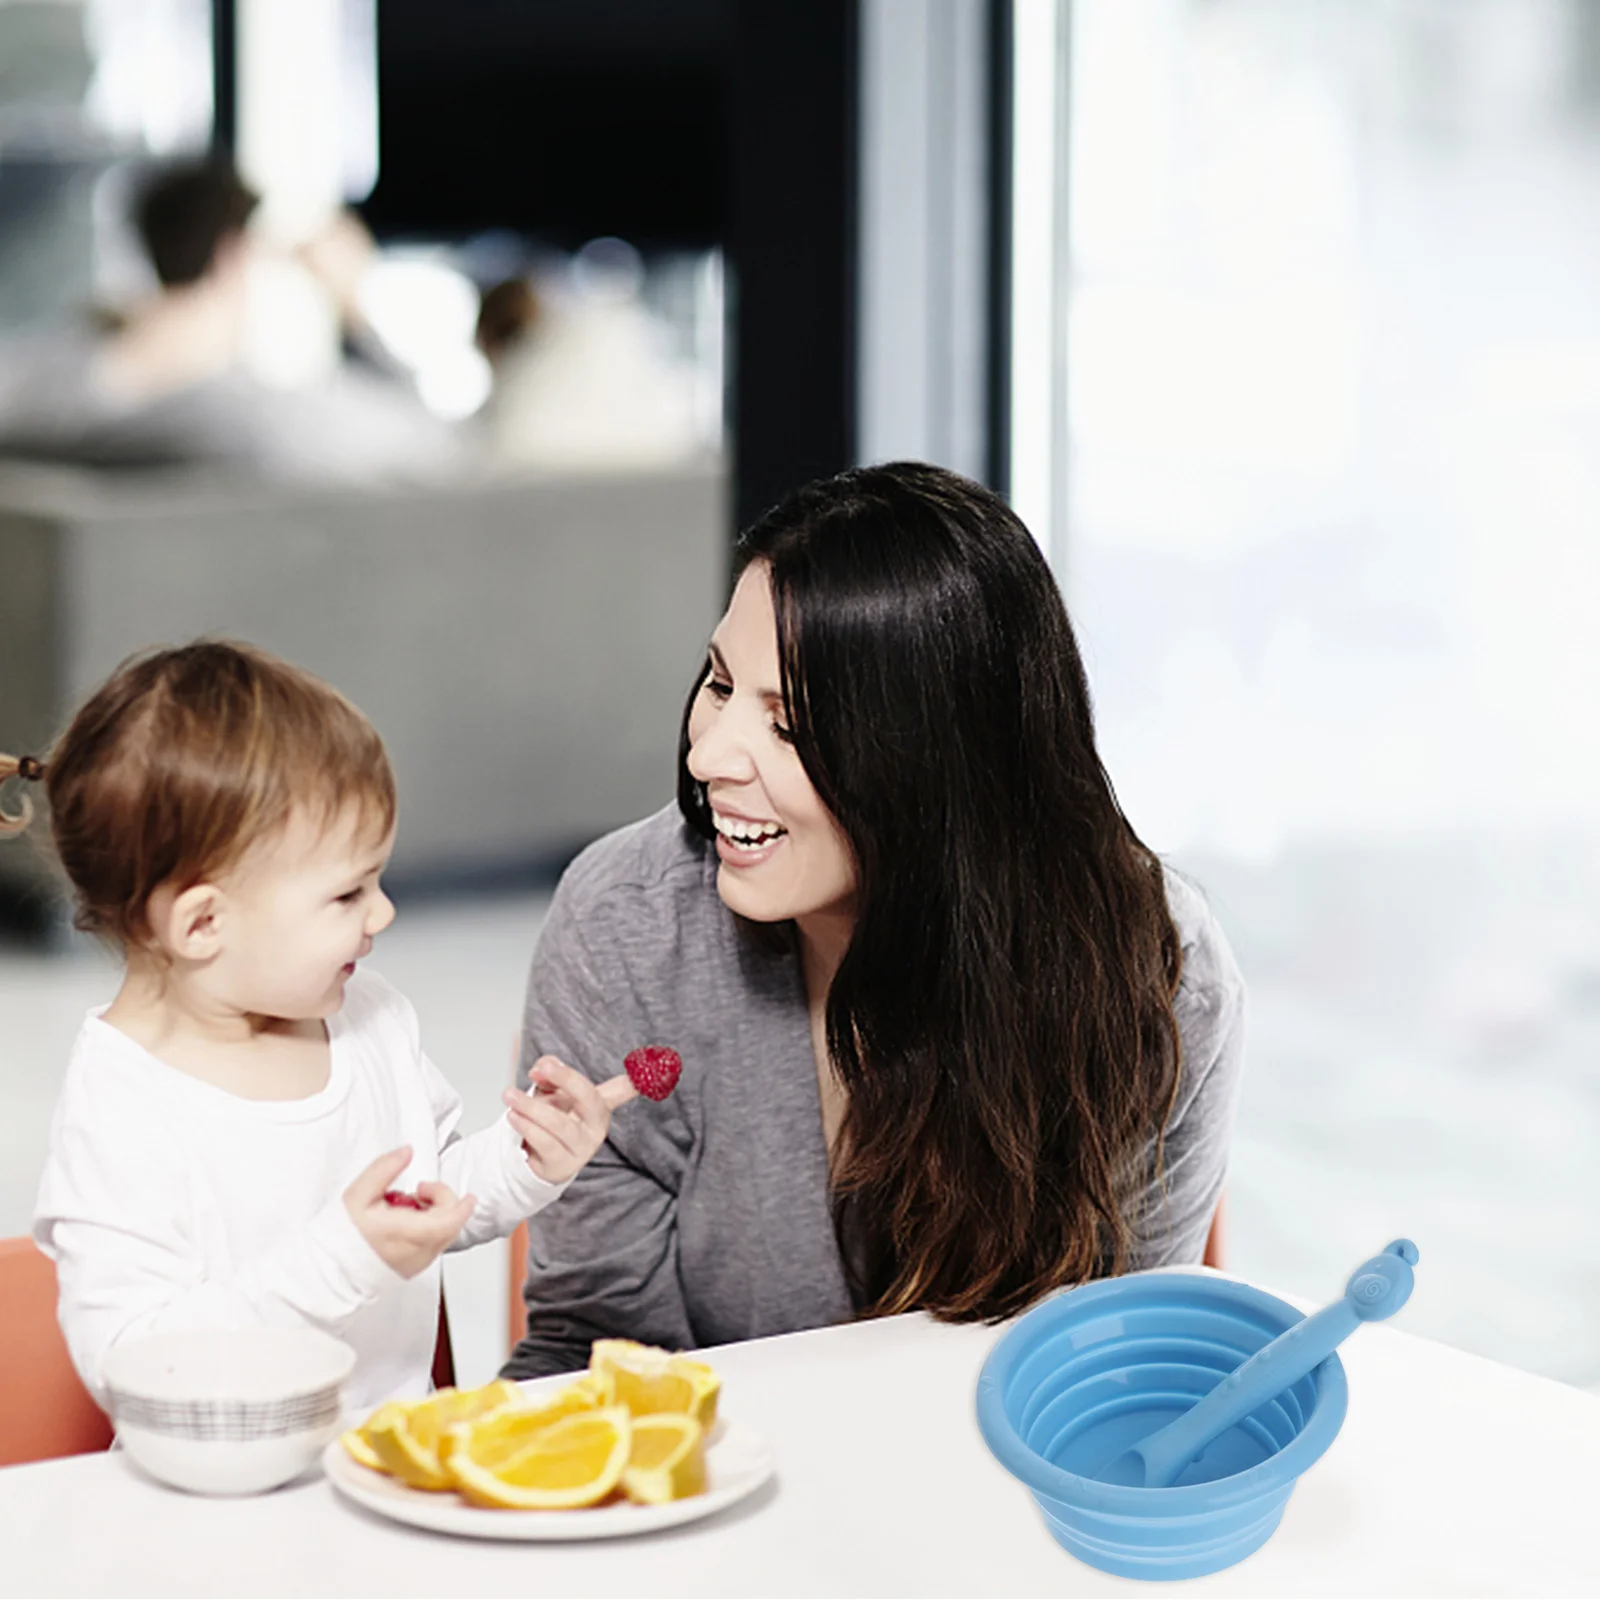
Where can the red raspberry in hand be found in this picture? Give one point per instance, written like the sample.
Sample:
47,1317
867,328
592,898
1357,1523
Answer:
653,1070
399,1197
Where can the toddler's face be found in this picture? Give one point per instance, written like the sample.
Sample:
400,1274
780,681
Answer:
300,912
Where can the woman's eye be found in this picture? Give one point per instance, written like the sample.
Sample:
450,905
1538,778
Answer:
718,691
786,735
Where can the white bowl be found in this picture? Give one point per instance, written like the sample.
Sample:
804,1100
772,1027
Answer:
227,1412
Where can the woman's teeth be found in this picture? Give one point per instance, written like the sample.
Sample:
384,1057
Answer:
748,835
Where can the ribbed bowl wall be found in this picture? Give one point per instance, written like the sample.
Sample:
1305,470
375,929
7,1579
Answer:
1090,1372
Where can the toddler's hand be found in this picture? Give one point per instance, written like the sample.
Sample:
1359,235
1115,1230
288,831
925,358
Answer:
567,1121
408,1239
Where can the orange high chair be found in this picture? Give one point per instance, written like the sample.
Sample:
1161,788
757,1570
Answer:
1214,1251
45,1411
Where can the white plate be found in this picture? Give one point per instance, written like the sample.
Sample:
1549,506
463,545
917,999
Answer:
738,1461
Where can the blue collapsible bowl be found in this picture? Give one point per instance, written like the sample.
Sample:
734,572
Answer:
1079,1379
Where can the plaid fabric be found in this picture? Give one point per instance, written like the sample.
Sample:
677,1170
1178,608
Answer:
227,1419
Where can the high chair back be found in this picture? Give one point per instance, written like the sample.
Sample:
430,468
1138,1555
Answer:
444,1355
517,1246
45,1410
1215,1239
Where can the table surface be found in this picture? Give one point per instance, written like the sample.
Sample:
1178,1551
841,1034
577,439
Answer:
1452,1475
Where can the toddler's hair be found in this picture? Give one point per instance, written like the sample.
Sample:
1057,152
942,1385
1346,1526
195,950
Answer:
183,761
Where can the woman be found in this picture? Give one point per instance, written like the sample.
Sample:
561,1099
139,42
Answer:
951,1037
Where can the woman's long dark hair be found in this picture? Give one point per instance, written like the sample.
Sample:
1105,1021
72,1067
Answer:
1002,1021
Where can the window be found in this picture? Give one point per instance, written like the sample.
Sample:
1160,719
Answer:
1328,520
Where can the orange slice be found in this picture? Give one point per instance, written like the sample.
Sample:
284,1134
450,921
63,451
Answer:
648,1380
597,1389
406,1437
503,1435
667,1461
355,1441
574,1462
358,1441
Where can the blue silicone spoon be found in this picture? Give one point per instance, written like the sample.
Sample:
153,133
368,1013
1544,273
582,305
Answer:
1377,1289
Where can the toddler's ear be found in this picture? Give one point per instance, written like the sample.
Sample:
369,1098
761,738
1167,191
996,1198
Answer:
188,925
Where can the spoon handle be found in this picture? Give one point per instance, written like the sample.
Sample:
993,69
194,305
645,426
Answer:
1377,1289
1267,1373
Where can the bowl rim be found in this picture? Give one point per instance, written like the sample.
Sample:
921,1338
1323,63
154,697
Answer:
117,1388
1278,1471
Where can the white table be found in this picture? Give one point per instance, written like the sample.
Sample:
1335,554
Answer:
1452,1475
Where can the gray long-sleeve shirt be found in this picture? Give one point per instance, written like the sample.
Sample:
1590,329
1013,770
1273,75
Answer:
706,1218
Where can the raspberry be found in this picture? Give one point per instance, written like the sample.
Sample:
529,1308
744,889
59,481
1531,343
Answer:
653,1070
399,1197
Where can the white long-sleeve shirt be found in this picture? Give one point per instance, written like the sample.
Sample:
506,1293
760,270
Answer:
168,1203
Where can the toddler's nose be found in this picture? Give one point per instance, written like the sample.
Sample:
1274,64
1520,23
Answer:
381,915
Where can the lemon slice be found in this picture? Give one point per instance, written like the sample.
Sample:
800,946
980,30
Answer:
406,1437
667,1461
574,1462
648,1380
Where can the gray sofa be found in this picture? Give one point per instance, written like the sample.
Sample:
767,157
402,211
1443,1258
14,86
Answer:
524,647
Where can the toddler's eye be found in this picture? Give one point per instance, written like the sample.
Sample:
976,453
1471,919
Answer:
349,897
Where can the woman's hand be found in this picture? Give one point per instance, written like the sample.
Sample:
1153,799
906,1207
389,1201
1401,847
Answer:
407,1238
567,1119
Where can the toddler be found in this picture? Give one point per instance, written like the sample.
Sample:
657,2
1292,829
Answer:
231,1123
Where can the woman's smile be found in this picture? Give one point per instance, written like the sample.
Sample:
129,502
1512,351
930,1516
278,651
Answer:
744,841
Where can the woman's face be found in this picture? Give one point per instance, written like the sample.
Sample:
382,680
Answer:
783,855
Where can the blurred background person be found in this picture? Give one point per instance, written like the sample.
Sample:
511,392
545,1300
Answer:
583,374
508,315
164,381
